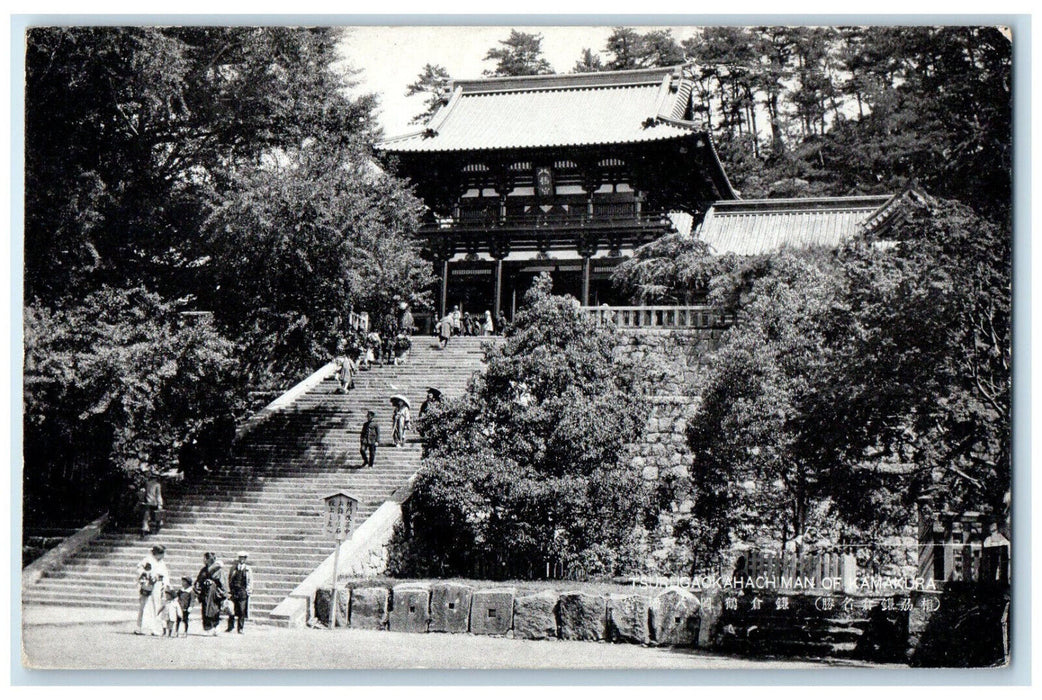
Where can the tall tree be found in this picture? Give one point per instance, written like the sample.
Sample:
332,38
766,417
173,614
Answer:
629,49
432,81
660,48
529,466
589,62
775,46
625,49
110,379
854,381
303,243
129,132
147,152
520,54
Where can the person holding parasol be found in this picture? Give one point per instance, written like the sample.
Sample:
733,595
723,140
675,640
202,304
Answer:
402,419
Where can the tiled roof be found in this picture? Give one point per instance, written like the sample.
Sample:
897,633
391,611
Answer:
752,227
556,110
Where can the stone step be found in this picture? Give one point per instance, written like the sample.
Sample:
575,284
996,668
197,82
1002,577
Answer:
128,599
202,543
89,579
272,569
267,497
273,564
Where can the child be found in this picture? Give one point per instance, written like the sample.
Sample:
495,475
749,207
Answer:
184,599
228,608
146,581
170,613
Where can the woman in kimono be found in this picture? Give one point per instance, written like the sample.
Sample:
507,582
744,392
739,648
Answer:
211,592
402,420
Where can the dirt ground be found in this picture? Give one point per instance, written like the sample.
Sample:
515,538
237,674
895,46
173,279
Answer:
51,641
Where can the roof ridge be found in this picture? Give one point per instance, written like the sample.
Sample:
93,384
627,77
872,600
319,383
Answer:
776,201
524,83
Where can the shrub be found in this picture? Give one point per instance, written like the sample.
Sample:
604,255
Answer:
528,466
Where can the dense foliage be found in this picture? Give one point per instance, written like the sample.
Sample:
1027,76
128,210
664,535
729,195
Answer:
846,110
520,53
528,466
117,378
218,170
303,243
131,132
855,381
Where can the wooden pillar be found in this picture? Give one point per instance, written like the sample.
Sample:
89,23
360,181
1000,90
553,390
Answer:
499,287
444,298
586,280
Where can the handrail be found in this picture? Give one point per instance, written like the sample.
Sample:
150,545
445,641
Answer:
660,317
492,219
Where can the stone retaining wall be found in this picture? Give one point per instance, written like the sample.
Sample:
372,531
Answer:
675,357
894,627
671,618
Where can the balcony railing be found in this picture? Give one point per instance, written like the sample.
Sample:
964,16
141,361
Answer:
661,317
610,218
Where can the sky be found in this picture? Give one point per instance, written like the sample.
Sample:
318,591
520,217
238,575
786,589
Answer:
390,58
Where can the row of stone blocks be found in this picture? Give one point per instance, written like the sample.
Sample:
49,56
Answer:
672,618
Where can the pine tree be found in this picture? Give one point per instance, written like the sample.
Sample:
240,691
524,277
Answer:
521,54
432,81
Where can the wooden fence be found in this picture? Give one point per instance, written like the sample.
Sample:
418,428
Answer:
961,548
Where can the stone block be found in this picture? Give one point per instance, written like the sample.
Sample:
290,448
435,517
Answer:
323,596
450,607
709,616
535,616
650,473
492,611
581,616
369,608
410,608
628,618
675,617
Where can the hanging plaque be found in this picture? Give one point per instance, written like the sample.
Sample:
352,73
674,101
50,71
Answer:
544,182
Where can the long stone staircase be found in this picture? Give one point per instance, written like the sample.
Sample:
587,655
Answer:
268,499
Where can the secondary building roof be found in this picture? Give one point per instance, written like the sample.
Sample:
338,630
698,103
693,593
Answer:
756,226
583,109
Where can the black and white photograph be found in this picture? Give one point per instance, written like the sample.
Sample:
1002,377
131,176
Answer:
508,346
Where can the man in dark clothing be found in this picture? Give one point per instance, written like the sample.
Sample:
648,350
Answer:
240,586
370,438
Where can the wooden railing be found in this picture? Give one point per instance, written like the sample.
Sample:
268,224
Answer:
660,317
603,217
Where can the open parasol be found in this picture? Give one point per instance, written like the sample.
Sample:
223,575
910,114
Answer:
399,397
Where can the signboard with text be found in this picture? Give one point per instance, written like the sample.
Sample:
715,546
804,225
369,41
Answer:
339,509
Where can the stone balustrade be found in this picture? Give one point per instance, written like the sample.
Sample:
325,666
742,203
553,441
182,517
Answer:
661,317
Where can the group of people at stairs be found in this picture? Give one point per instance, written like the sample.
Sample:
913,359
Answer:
401,423
456,323
164,607
364,347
